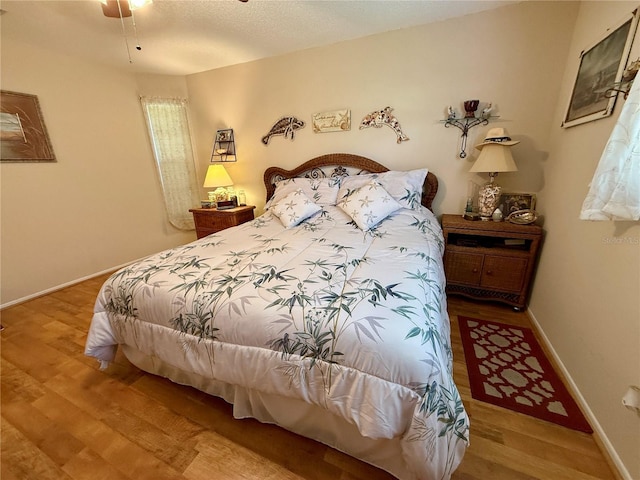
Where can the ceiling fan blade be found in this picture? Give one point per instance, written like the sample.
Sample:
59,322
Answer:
111,9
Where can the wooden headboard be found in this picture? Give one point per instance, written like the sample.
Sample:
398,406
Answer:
341,164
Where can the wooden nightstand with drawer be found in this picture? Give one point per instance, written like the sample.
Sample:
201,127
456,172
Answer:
490,260
211,220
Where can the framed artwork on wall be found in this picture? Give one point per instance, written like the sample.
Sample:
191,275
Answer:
23,135
601,65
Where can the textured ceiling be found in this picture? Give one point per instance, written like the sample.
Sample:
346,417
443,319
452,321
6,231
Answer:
189,36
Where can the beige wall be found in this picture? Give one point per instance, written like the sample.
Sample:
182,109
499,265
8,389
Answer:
100,205
587,290
418,71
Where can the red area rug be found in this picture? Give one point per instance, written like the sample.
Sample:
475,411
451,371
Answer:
508,368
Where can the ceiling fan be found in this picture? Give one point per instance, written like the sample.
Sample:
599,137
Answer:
123,8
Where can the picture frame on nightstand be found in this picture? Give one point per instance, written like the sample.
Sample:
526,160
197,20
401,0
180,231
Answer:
513,202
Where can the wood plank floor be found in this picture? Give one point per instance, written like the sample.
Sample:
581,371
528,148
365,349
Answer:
64,419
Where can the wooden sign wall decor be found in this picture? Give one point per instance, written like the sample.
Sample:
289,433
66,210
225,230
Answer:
332,121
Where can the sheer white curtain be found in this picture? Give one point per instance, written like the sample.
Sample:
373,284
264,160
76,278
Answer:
614,193
168,125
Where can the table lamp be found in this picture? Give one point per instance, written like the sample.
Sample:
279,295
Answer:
218,178
495,156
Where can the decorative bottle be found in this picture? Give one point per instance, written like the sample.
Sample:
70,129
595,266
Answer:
231,195
469,208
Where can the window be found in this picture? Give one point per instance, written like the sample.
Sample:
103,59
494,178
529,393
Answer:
168,125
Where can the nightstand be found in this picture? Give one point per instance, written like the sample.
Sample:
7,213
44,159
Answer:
490,260
212,220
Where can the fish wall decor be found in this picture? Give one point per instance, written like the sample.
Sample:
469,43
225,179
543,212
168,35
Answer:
286,126
382,117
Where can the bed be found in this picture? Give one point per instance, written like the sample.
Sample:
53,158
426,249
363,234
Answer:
325,315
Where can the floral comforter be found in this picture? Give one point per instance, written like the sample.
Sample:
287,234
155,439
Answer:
352,321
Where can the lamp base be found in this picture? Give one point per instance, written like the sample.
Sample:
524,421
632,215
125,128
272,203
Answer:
218,195
488,199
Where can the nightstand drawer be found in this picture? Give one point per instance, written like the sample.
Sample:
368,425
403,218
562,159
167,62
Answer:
211,220
214,222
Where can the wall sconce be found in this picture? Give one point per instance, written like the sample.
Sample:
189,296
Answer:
224,146
469,120
495,156
218,178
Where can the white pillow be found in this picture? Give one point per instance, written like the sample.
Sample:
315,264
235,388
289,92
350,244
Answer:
369,205
323,191
404,187
294,208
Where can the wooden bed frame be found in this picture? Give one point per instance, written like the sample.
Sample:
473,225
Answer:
337,164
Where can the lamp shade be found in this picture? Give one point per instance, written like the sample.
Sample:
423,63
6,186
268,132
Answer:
217,176
495,158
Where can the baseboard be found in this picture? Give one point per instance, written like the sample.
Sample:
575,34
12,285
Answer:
600,437
60,287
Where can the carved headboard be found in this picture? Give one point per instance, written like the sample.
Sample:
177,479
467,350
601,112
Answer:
341,164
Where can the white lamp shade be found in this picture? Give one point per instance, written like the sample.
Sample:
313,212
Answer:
217,176
495,158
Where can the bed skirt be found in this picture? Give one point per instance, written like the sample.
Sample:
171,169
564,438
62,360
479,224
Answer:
294,415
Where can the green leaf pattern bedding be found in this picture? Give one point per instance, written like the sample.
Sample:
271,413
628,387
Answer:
352,321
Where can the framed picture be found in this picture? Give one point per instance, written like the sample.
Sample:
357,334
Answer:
23,135
512,202
601,65
224,135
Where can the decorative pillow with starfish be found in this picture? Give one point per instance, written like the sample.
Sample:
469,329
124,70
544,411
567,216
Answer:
369,205
295,208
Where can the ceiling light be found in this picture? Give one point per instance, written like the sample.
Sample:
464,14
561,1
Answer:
123,9
135,4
